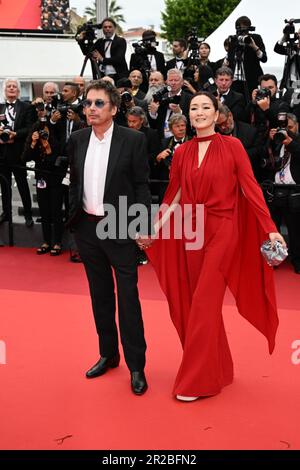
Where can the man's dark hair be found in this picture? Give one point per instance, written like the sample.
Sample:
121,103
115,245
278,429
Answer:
243,20
182,42
266,77
110,20
224,71
212,98
75,87
108,88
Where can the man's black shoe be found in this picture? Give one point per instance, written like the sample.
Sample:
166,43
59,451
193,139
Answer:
138,382
3,217
102,366
28,222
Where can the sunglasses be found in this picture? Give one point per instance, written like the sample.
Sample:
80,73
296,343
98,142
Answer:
98,103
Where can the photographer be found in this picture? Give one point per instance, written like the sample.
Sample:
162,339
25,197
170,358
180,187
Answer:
128,101
283,163
110,51
227,96
178,127
43,147
146,58
168,101
265,106
246,51
15,123
289,45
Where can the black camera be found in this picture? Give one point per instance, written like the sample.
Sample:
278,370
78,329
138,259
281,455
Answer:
126,97
289,31
262,93
39,106
282,129
6,129
162,96
211,87
86,32
42,130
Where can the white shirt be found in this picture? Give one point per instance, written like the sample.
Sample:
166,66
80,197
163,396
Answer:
95,169
10,115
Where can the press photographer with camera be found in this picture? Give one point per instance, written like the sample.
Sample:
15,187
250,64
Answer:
15,123
146,58
178,127
265,105
110,51
283,165
128,101
171,99
245,53
289,45
43,147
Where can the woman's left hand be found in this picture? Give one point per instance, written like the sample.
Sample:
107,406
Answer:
275,236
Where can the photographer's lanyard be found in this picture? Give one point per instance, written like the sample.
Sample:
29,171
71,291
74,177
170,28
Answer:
10,115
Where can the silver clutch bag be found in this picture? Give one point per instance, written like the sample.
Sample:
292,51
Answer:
273,256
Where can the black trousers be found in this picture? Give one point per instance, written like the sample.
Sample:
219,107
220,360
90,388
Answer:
21,179
101,258
50,200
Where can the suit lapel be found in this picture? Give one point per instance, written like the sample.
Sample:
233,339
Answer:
114,153
17,111
82,150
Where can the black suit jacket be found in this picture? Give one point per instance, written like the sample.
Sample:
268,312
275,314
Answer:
11,153
283,50
159,122
236,103
127,171
251,62
117,52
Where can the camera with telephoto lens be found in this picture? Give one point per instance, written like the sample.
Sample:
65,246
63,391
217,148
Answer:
6,129
211,87
162,96
126,97
40,106
282,128
262,93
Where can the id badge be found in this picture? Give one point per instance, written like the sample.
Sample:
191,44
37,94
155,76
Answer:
41,184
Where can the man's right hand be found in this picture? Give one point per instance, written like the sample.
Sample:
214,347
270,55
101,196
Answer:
56,116
162,155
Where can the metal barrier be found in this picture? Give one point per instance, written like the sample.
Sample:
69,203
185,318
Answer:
4,180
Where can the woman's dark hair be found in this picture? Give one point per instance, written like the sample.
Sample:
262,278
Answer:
212,98
108,88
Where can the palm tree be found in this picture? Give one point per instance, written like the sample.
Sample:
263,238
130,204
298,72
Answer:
114,12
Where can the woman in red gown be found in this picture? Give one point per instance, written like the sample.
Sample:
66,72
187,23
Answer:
214,171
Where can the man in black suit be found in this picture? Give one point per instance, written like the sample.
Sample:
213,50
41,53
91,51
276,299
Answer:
246,52
234,100
15,125
110,51
291,49
147,59
109,163
180,60
174,101
252,140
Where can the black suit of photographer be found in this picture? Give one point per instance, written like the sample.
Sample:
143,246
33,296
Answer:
250,60
293,58
140,61
10,157
285,204
117,52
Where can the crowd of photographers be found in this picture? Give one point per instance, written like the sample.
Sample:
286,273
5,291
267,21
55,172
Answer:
55,15
155,97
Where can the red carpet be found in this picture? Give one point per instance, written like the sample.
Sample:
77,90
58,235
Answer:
46,402
20,14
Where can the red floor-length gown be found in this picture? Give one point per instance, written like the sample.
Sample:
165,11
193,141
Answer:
236,222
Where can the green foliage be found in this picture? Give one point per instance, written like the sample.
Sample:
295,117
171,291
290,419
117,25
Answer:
181,15
114,12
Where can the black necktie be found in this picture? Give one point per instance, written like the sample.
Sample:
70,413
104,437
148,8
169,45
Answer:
177,142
